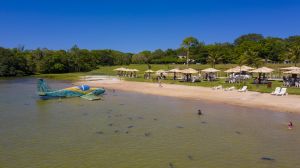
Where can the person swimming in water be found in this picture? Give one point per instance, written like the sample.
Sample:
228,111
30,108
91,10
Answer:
290,125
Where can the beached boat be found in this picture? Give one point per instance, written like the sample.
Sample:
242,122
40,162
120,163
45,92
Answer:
83,91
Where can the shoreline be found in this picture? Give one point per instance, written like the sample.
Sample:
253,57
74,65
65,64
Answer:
290,103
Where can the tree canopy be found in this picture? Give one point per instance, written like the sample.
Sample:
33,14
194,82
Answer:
253,49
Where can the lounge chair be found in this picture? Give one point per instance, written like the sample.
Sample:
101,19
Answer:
276,91
244,89
217,87
230,88
283,92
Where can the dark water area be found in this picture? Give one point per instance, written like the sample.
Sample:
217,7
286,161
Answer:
133,130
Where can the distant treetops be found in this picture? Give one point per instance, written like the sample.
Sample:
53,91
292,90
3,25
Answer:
250,49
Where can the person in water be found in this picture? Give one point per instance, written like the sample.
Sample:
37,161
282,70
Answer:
290,125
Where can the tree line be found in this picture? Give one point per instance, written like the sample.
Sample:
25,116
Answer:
250,49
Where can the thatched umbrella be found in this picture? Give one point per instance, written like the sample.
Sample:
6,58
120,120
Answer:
292,72
245,68
176,70
290,68
262,70
133,71
188,72
120,70
149,71
210,70
232,70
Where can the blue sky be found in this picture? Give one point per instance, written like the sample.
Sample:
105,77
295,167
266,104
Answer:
136,25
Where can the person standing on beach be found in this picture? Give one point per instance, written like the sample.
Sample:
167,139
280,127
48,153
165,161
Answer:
159,82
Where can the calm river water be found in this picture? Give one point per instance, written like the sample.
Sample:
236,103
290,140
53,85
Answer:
130,130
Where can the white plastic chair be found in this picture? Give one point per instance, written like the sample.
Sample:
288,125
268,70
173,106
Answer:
244,89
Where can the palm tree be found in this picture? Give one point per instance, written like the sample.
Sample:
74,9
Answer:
251,58
187,43
293,54
214,57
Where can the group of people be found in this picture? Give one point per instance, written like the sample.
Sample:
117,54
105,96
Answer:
291,81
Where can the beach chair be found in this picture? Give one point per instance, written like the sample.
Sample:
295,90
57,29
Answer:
244,89
217,87
230,88
283,92
276,91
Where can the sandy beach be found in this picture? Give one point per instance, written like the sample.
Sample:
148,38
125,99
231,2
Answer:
288,103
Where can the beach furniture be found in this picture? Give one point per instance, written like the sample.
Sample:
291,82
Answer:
283,92
244,89
276,91
230,88
217,87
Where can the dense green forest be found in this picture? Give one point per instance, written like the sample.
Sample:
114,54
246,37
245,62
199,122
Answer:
250,49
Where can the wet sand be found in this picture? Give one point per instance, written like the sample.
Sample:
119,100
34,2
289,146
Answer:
290,103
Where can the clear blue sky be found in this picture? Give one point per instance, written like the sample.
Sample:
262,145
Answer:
136,25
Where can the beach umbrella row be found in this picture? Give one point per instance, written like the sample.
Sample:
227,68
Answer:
288,70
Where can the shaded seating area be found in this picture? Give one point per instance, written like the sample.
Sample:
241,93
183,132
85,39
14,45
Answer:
162,74
188,75
124,72
238,74
292,79
262,75
175,72
147,74
210,74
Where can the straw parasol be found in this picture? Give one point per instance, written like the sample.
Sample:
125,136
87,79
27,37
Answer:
189,71
245,68
263,70
233,70
290,68
292,72
176,70
134,70
210,70
160,71
149,71
120,69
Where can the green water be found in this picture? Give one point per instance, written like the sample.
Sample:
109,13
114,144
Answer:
163,132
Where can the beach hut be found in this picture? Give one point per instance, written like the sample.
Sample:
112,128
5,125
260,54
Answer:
210,73
262,70
175,71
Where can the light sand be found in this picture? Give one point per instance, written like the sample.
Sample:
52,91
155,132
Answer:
290,103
